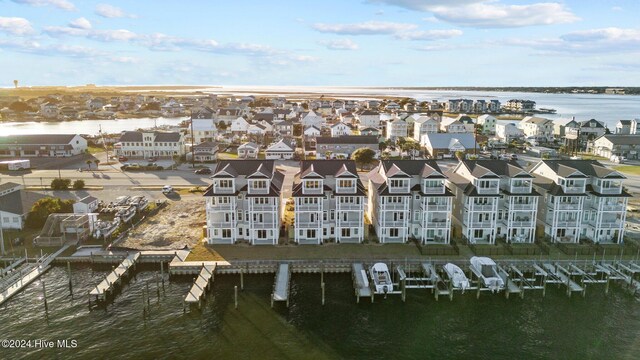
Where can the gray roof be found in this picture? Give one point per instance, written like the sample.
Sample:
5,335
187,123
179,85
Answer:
536,120
328,168
7,186
443,140
622,139
499,167
88,199
131,136
19,202
566,168
206,145
348,139
624,122
244,167
40,139
422,168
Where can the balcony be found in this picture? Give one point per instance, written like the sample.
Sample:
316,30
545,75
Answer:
263,207
609,224
348,223
262,225
433,190
348,206
221,207
308,224
488,190
483,207
567,224
308,207
608,190
434,207
436,224
525,206
573,189
613,207
390,223
346,190
222,224
223,190
568,206
526,223
481,225
395,206
258,191
520,189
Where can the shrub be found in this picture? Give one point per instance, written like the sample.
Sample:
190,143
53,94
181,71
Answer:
60,184
78,184
43,208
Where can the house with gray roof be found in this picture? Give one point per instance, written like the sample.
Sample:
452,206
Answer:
42,145
243,202
616,144
344,146
442,145
15,205
137,144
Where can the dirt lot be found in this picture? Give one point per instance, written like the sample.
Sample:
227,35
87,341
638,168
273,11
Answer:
174,227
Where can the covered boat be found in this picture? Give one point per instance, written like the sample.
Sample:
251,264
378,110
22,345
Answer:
381,278
458,279
487,271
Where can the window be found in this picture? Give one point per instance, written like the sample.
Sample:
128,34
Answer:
262,234
346,232
225,183
394,232
259,184
345,183
477,233
312,184
226,233
311,233
239,231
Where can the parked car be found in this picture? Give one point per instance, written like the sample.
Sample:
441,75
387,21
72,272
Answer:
153,159
122,158
167,189
514,157
203,171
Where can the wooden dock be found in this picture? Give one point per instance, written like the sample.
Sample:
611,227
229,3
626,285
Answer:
25,273
106,286
281,285
200,285
559,275
361,282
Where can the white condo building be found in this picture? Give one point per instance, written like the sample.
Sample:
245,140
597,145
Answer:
409,199
329,202
243,202
582,198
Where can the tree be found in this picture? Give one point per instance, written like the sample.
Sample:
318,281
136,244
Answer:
297,129
45,207
19,106
60,184
89,162
363,157
78,184
460,155
15,83
221,125
97,162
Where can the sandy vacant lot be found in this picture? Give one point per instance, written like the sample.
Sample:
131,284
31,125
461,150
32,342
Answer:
174,227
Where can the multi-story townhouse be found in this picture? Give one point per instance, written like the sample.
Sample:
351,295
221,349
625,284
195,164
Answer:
518,203
368,118
582,198
488,123
494,106
425,125
538,128
329,202
408,198
243,202
396,128
475,208
614,144
150,144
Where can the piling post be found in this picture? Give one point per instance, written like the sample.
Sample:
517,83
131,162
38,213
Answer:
158,287
162,274
606,288
271,300
148,301
241,279
235,296
373,295
322,286
70,282
44,292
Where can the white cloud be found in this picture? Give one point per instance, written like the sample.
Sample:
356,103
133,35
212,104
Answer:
605,41
110,11
60,4
364,28
101,35
80,23
16,26
616,8
34,47
339,44
611,34
429,35
489,13
446,47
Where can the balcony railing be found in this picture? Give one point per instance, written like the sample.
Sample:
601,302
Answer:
433,190
221,207
529,206
609,190
391,223
346,190
573,189
477,207
348,223
489,190
348,206
528,223
609,224
308,224
433,207
395,206
481,225
262,225
613,207
223,190
222,224
436,224
308,207
572,223
568,206
520,189
254,191
264,207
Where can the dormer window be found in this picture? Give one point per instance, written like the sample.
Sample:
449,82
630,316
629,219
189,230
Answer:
433,187
223,185
258,186
398,185
312,187
487,186
346,185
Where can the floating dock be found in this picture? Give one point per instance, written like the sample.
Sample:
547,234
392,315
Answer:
281,285
361,282
200,285
559,275
101,290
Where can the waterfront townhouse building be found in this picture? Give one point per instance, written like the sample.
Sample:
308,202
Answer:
45,145
329,202
494,106
243,202
518,105
480,106
582,198
518,202
475,209
150,144
409,199
452,125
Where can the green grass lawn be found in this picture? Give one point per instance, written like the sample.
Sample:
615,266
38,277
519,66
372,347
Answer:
628,169
95,150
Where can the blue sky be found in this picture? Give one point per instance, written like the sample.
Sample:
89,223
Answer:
329,42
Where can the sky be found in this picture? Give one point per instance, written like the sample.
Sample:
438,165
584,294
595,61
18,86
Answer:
321,43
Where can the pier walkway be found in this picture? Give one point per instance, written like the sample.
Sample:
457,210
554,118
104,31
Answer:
101,290
201,284
281,286
22,275
559,275
360,281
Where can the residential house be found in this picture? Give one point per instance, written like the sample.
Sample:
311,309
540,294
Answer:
244,202
49,110
475,209
425,125
256,129
86,205
248,150
634,128
312,119
591,129
15,205
582,198
623,127
508,132
452,125
614,144
46,145
368,118
494,106
203,130
370,132
441,145
392,106
488,124
239,126
396,128
202,112
227,115
538,128
480,106
150,144
340,129
284,128
283,149
409,199
560,127
344,146
329,202
518,105
206,151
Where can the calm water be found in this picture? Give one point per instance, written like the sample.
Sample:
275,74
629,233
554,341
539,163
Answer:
89,127
489,328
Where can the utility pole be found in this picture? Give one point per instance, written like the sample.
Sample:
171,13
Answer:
1,236
193,158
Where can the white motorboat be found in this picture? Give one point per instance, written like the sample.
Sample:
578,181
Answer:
458,279
381,278
487,270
